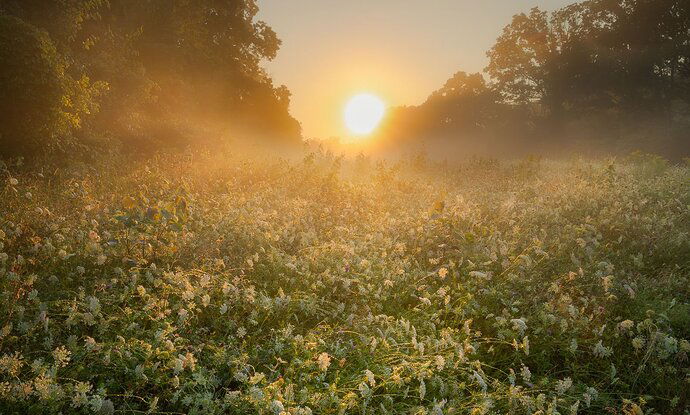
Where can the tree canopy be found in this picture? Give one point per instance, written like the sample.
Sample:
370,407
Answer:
613,74
174,70
41,103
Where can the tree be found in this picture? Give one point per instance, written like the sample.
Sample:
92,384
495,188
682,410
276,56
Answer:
519,61
40,103
463,104
463,108
606,67
176,69
203,59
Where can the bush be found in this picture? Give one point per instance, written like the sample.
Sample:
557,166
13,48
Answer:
41,105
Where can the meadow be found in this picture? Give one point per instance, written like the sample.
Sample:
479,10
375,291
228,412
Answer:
227,284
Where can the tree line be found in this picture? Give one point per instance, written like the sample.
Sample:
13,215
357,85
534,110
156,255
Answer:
144,74
135,74
599,74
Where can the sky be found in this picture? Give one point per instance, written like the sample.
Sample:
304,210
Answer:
399,50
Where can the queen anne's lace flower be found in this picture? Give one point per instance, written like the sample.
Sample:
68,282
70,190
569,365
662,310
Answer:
526,374
324,361
519,325
562,386
601,351
370,377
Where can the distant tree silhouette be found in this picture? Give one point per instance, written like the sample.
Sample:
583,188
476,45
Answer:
608,74
615,66
520,59
464,104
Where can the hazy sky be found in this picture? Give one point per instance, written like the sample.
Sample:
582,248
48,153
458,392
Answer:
401,50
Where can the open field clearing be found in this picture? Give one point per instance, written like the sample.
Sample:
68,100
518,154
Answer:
246,285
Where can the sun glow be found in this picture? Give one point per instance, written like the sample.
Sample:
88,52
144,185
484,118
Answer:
363,113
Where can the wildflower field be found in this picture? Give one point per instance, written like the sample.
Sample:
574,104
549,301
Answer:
227,285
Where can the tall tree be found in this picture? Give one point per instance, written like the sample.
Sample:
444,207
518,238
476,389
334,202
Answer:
172,67
519,61
616,66
41,104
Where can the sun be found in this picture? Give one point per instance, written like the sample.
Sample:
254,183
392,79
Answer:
363,113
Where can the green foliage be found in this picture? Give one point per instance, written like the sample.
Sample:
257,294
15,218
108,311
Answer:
175,73
222,284
518,59
41,104
601,68
595,76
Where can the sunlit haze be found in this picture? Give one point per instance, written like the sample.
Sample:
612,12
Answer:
363,113
397,49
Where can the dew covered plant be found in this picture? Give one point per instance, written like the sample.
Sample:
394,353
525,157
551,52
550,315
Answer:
234,285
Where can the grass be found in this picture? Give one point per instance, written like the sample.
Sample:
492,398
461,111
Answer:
224,284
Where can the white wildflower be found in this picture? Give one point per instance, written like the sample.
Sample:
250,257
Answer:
364,389
590,395
324,361
519,325
189,361
179,364
182,315
638,342
277,407
90,343
241,332
440,362
61,356
601,351
370,377
562,386
626,325
480,380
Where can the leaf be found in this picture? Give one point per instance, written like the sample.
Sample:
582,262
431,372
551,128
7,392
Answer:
129,203
153,214
180,205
